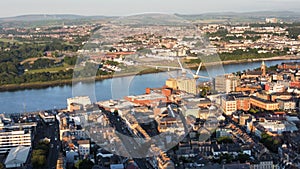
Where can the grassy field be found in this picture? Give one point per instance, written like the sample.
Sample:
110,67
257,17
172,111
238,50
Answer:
10,40
51,70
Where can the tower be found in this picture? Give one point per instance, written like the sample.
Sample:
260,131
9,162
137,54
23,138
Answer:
263,68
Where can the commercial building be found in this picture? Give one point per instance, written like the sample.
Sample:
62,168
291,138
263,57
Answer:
147,99
219,84
228,104
286,104
226,83
263,104
233,102
12,139
183,84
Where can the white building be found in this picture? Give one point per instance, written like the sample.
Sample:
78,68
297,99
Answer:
84,147
271,20
81,100
279,126
286,104
12,139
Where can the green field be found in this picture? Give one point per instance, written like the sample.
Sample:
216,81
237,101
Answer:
9,41
51,70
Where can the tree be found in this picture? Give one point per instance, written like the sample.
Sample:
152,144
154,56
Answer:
272,143
243,158
116,113
70,60
252,111
224,140
2,166
84,164
38,158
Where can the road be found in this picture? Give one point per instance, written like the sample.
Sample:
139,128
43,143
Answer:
52,132
129,144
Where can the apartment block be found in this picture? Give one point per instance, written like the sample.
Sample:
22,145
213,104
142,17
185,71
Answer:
12,139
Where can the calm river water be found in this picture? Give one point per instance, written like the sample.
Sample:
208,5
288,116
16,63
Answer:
55,97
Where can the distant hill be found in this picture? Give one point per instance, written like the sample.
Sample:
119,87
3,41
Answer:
245,16
58,19
50,20
44,17
151,19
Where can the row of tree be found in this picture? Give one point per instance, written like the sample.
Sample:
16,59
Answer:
39,155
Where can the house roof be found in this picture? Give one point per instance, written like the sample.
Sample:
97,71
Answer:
17,155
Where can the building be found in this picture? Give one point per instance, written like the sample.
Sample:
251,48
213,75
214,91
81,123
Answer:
236,166
243,119
263,104
255,73
242,102
219,84
248,88
171,83
274,87
233,102
165,162
263,68
278,127
287,66
228,104
265,162
84,147
232,149
150,99
281,96
271,20
183,84
227,83
80,100
60,164
12,139
223,132
17,157
72,156
47,117
286,104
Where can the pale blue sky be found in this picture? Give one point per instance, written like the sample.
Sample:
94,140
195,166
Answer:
128,7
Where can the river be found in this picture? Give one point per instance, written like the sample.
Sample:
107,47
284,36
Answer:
55,97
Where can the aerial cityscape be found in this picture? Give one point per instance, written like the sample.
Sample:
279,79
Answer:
163,90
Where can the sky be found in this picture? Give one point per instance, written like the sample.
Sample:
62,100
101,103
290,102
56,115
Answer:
130,7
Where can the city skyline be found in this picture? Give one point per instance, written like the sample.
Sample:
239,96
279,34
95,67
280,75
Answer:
131,7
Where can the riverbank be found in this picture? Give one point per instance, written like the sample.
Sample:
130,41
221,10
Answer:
41,85
228,62
287,57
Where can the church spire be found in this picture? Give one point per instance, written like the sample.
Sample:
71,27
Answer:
263,68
